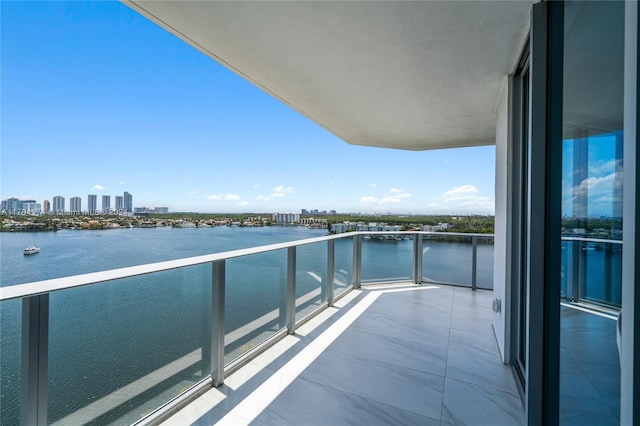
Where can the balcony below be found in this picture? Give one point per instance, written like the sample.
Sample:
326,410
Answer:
388,354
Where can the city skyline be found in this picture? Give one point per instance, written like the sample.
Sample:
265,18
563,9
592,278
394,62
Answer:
103,84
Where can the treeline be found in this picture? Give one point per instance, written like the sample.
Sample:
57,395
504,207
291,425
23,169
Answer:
468,224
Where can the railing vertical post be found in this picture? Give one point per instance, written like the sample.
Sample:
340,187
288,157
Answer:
417,258
291,290
474,262
573,273
35,349
331,255
357,261
217,322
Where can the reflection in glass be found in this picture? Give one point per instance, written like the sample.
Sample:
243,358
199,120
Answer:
591,210
10,333
119,349
386,258
311,277
256,290
343,265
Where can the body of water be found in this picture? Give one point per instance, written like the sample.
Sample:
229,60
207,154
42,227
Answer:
118,349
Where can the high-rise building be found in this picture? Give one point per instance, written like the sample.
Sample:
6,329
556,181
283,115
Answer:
58,204
92,203
11,204
75,205
31,208
119,203
128,202
47,206
106,204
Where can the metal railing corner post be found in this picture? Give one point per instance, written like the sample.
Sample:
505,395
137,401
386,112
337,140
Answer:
474,262
217,322
291,290
357,261
35,351
330,271
417,258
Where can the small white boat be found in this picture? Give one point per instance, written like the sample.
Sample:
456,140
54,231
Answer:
31,250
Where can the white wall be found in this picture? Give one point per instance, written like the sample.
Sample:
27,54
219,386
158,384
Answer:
500,290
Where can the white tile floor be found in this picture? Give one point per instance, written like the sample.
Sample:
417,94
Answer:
384,355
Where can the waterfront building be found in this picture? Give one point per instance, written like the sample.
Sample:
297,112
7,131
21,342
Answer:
47,206
161,210
106,204
434,228
377,227
11,204
58,204
119,203
31,207
75,205
128,202
141,210
92,203
346,226
286,218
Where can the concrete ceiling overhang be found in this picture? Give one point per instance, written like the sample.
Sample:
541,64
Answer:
411,75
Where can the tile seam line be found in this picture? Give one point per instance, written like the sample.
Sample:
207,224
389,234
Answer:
341,323
371,399
255,403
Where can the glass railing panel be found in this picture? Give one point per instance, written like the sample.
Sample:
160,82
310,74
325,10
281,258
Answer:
343,265
311,277
564,268
592,270
10,335
602,269
255,300
119,349
387,257
484,265
447,259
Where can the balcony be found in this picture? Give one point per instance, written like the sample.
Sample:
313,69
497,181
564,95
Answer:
402,335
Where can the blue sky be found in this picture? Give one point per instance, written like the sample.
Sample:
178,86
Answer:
98,100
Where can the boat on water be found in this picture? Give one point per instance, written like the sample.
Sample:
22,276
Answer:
31,250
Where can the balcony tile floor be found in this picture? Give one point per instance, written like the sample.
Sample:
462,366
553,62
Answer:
399,354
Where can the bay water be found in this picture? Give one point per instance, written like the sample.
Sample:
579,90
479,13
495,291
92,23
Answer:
150,336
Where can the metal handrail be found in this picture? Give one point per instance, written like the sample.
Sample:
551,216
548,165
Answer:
35,306
592,240
56,284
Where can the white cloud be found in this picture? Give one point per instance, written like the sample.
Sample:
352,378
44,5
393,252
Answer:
256,186
387,200
224,197
464,189
277,192
396,196
280,189
368,199
402,195
121,182
98,187
373,185
464,198
242,203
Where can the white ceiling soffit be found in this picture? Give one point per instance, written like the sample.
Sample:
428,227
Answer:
408,75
